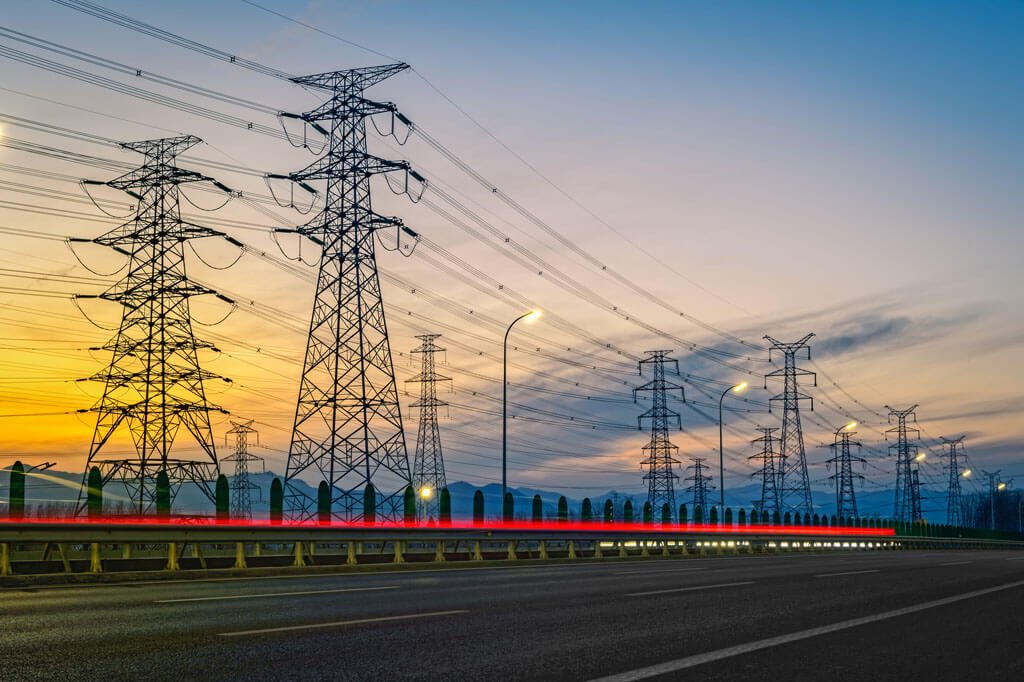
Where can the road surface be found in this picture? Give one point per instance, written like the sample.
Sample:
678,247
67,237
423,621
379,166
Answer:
870,615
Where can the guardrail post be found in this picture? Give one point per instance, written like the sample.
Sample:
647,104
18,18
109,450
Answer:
439,550
622,549
172,557
197,554
477,554
240,555
126,550
399,558
5,559
542,549
572,549
299,559
598,554
664,548
95,566
62,550
643,548
511,556
350,553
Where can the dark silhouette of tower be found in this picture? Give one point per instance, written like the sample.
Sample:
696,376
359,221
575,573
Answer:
843,459
428,466
348,423
701,483
794,483
154,388
242,489
659,453
769,456
907,505
954,499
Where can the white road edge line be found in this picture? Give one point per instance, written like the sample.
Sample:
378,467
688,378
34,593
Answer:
340,623
690,589
738,650
832,575
264,595
956,563
663,570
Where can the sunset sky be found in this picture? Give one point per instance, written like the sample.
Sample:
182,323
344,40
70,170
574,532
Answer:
848,169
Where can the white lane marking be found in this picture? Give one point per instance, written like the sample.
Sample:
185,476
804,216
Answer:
340,623
740,649
263,595
1015,558
956,563
832,575
690,589
664,570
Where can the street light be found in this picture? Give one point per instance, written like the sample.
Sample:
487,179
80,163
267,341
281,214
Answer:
738,388
967,473
528,318
920,457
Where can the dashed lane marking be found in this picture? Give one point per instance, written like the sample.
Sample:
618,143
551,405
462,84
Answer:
264,595
341,623
690,589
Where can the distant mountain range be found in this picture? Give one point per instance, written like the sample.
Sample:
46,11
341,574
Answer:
57,490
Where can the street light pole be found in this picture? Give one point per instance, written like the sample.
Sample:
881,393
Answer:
721,453
529,317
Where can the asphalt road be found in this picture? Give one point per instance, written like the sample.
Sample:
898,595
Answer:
879,616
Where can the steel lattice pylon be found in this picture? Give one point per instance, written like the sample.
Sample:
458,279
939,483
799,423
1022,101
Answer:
659,452
348,423
954,499
794,483
701,484
428,477
843,459
908,503
769,457
242,488
154,386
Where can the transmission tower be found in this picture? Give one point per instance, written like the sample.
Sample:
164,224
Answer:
794,483
659,453
701,483
154,386
769,472
348,423
428,466
954,499
242,488
843,459
905,508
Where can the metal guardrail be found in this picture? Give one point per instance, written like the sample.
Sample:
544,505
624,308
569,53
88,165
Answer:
76,547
